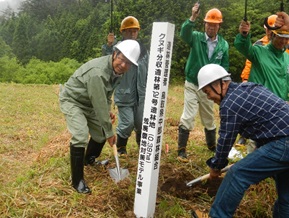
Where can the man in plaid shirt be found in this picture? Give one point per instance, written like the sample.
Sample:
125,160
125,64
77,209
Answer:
254,112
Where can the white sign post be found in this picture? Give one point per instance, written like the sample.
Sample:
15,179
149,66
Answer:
153,119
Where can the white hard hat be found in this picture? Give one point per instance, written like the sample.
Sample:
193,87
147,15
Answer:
210,73
130,49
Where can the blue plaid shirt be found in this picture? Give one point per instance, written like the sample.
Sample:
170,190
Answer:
252,111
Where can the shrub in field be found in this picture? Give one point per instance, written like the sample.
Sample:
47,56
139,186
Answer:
9,69
36,71
40,72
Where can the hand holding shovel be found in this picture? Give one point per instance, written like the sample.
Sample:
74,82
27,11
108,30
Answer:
205,177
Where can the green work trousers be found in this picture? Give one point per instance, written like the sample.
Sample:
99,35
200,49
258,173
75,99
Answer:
81,121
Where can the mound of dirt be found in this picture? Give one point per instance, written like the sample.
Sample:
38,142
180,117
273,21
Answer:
175,185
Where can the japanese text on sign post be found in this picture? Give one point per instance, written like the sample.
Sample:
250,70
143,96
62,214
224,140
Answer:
153,119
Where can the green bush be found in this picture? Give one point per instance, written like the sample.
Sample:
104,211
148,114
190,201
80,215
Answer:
41,72
9,69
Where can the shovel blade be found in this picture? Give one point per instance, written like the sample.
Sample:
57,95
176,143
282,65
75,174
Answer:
118,175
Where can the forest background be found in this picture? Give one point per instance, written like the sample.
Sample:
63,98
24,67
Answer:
47,40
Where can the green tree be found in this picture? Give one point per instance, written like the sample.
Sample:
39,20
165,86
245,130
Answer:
48,42
5,49
51,30
41,9
24,32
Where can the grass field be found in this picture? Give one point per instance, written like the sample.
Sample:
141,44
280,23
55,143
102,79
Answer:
35,168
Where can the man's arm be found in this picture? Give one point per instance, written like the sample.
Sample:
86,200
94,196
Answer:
189,24
101,107
106,49
242,41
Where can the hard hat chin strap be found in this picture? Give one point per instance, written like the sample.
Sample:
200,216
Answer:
221,84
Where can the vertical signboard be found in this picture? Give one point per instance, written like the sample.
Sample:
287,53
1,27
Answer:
153,119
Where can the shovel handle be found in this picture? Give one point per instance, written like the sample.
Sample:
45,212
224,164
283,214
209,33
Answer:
206,176
114,148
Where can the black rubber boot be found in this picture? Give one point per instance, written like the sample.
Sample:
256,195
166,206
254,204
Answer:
93,151
211,139
121,146
77,164
182,144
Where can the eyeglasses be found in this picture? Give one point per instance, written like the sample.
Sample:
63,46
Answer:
124,60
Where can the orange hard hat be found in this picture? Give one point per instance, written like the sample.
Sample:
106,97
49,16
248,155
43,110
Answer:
271,20
129,23
214,16
281,32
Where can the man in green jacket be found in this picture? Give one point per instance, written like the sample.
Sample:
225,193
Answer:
85,100
270,63
205,47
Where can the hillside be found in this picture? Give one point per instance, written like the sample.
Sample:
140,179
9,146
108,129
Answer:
35,169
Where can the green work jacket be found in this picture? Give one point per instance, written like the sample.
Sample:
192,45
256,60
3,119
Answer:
270,66
91,87
198,56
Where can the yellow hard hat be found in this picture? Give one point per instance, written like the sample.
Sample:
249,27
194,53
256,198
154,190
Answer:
129,23
214,16
281,33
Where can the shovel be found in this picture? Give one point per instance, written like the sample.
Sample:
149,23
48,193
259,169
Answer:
117,174
205,177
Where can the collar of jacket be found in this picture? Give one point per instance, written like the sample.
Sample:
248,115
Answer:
276,51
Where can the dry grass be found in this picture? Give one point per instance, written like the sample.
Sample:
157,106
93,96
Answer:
35,169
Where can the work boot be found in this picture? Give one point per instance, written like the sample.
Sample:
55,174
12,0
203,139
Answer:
211,139
93,151
121,146
182,144
77,164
